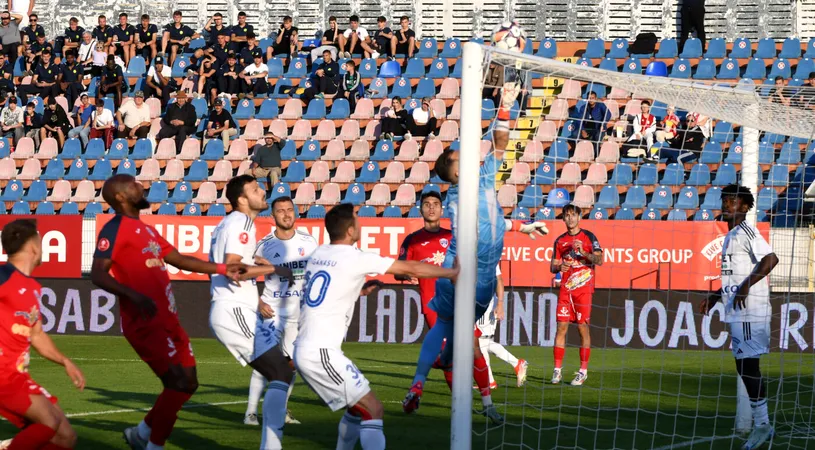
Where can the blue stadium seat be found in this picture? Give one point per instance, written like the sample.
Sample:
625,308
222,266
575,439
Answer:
275,67
662,198
545,174
632,65
621,176
790,154
619,49
532,197
734,153
558,198
723,132
269,109
674,175
316,110
198,171
136,67
609,64
585,62
716,48
384,151
289,151
142,150
95,149
78,170
651,214
488,110
432,187
245,110
355,194
681,69
558,152
692,50
624,214
742,49
780,68
415,68
756,70
311,151
438,69
14,191
677,215
369,173
668,49
180,66
713,199
37,192
281,88
766,49
55,170
297,68
598,214
118,150
158,192
725,174
778,175
69,208
766,153
340,110
425,88
213,151
804,68
547,48
369,211
520,213
200,105
195,44
688,198
71,150
295,173
646,175
729,70
699,175
101,171
392,212
774,138
378,88
703,215
191,209
279,190
126,167
545,214
705,70
711,153
166,209
400,88
596,48
428,48
635,198
598,89
767,197
93,209
390,69
182,193
20,208
456,73
452,48
609,198
367,68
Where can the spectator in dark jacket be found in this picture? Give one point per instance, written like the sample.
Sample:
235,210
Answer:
112,81
324,81
32,123
687,145
266,158
593,116
55,122
395,121
179,120
350,85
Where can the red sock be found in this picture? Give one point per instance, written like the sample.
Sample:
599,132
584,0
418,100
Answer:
559,352
32,437
481,375
55,447
165,413
584,358
448,377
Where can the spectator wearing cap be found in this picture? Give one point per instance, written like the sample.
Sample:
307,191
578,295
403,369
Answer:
73,35
86,50
71,78
178,121
12,125
215,28
221,50
254,78
124,36
229,81
176,36
355,39
112,81
45,81
34,52
220,124
82,115
286,42
266,158
10,34
324,80
146,36
421,121
250,50
6,76
33,30
134,118
55,122
240,32
103,32
32,123
101,123
160,82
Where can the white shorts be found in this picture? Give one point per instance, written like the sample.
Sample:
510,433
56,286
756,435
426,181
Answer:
332,376
274,331
749,339
234,325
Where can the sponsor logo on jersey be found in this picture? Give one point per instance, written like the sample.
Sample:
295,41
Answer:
22,362
564,311
578,279
30,316
154,249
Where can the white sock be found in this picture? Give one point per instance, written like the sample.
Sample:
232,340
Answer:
502,353
274,416
484,344
291,387
760,414
486,400
152,446
256,385
348,432
372,435
144,431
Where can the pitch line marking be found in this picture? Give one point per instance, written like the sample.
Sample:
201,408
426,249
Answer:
694,442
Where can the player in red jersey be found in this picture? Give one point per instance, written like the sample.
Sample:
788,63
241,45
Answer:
576,253
22,401
130,262
428,244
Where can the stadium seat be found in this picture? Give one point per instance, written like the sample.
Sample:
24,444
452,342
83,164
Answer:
428,48
668,49
778,176
405,196
438,69
72,149
380,195
546,49
345,173
378,88
425,89
729,70
725,174
329,195
339,110
545,214
597,175
311,151
635,198
390,69
674,175
570,174
742,49
301,131
143,149
182,193
364,110
93,209
609,64
705,70
624,214
297,68
367,68
677,215
213,151
584,197
558,152
369,173
394,173
166,209
780,68
13,191
519,175
520,213
191,209
384,151
681,69
767,198
268,110
609,198
532,197
198,171
766,153
180,66
790,154
622,175
716,48
392,212
281,89
703,215
77,171
118,150
367,211
692,50
53,171
646,175
359,151
415,68
755,70
557,198
507,196
245,110
126,167
596,48
319,173
632,65
598,214
688,198
804,69
734,153
37,192
69,208
713,199
766,49
21,208
699,175
651,214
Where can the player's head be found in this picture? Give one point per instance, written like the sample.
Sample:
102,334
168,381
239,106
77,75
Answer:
736,202
447,166
284,213
124,194
245,194
342,225
571,216
20,239
431,206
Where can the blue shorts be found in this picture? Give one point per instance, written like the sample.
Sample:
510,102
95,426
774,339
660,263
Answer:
444,300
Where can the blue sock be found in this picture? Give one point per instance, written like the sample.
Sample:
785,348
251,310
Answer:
431,348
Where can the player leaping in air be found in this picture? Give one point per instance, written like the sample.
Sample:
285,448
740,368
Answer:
130,262
23,402
576,253
747,260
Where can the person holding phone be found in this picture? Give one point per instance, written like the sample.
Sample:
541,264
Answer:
421,122
286,42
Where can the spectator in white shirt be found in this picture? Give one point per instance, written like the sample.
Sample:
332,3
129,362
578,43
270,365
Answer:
254,77
355,40
421,122
101,123
160,82
134,118
13,121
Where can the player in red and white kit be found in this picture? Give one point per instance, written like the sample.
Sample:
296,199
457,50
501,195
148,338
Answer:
23,402
130,262
576,253
428,244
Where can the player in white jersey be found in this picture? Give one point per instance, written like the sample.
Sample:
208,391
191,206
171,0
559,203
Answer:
233,315
286,247
747,260
485,330
334,277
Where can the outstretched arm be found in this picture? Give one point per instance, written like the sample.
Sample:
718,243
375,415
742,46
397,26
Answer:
233,270
48,350
418,269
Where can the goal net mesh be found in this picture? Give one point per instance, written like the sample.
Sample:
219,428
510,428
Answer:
661,375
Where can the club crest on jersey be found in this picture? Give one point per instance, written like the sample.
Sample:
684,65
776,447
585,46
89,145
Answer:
444,242
244,237
103,245
301,251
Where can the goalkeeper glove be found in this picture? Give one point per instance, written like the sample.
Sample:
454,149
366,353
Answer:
530,228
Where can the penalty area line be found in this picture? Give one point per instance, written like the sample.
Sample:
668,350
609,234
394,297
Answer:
130,410
694,442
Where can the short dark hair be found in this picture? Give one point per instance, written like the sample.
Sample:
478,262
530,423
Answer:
33,15
404,18
74,19
178,13
70,52
102,16
572,208
339,220
351,63
250,35
330,18
740,192
145,16
645,102
234,188
429,194
286,18
353,18
16,234
217,14
282,198
241,14
443,165
122,15
396,98
592,93
381,19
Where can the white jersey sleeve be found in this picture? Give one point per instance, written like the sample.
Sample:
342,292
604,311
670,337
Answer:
283,294
234,235
743,248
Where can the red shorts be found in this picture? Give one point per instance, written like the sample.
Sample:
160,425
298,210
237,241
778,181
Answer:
574,306
14,397
162,346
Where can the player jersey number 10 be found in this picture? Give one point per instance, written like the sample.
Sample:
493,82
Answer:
316,288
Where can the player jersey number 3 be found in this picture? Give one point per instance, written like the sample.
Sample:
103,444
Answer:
316,288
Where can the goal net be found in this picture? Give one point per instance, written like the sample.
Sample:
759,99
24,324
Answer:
660,374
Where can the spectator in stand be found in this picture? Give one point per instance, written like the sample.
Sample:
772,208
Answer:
100,58
82,116
124,38
13,122
355,40
254,78
287,42
805,97
176,36
703,122
688,144
220,125
221,50
159,81
215,28
330,40
70,81
103,33
250,50
10,35
33,30
55,123
240,32
395,121
645,126
134,118
112,81
32,124
668,127
229,81
33,53
101,123
73,35
22,7
146,36
266,158
493,83
404,39
593,117
207,78
324,81
421,122
693,18
86,50
779,94
178,121
6,77
382,42
351,85
45,81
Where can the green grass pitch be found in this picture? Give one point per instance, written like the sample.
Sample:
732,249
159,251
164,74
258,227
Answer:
633,399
